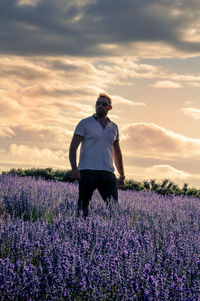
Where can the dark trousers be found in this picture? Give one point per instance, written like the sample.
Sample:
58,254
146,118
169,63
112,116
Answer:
104,181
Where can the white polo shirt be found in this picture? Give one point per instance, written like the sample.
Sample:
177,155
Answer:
97,146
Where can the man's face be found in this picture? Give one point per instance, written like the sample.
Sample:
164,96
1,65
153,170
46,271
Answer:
102,107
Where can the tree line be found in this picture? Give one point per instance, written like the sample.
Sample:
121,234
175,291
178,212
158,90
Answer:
165,187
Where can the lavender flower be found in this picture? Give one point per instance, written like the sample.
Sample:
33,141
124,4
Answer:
145,248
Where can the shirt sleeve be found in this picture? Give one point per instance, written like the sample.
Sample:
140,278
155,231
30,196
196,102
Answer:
80,129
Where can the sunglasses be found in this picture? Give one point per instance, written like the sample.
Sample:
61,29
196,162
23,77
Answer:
104,104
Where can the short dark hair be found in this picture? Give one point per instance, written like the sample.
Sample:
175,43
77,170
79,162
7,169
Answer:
101,95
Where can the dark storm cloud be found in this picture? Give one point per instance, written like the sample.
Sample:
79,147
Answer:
80,28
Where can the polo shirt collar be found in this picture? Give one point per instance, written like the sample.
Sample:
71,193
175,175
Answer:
95,116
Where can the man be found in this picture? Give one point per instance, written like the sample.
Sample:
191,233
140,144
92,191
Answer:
99,138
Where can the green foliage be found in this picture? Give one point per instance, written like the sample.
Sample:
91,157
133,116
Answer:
43,173
133,185
166,187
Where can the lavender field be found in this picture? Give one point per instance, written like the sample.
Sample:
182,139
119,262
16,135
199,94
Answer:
145,248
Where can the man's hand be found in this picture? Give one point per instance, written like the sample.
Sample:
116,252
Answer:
76,174
120,183
119,163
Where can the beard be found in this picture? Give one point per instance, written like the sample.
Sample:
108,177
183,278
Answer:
101,113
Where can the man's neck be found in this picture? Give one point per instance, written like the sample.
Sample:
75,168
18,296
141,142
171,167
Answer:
101,118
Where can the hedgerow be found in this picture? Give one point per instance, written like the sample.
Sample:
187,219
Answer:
165,187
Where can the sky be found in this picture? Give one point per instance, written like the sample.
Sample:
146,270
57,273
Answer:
57,56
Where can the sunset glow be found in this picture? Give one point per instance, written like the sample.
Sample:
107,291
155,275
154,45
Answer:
57,56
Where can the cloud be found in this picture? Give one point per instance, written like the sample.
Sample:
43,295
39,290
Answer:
162,171
57,91
189,102
42,136
99,28
166,84
42,99
11,110
128,68
122,100
151,140
26,156
26,153
177,80
69,75
6,131
192,112
28,2
185,77
182,80
166,171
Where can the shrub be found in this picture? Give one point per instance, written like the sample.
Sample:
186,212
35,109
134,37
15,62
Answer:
166,187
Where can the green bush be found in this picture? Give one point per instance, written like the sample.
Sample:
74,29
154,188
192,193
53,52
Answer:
166,187
43,173
133,185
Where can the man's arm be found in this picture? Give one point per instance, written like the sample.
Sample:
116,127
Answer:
119,162
76,140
